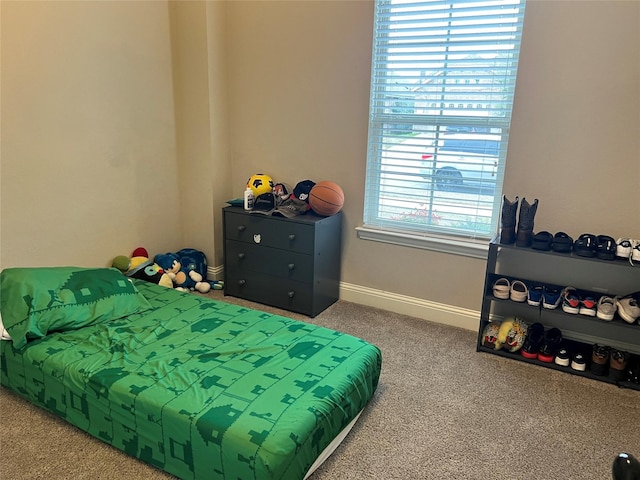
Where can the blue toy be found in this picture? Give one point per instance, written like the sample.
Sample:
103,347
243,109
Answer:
188,269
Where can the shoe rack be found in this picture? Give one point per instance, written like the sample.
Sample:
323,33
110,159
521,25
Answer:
579,332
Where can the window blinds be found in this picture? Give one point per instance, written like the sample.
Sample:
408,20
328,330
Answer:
442,88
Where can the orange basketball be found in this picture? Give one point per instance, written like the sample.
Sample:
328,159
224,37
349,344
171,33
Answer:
326,198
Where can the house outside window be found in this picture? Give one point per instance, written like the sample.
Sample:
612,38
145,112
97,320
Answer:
442,88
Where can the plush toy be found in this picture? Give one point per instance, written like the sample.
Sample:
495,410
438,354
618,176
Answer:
188,270
140,266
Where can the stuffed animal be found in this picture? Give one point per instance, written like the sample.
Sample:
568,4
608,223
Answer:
183,267
140,266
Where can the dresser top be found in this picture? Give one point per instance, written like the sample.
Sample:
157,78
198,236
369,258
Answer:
308,218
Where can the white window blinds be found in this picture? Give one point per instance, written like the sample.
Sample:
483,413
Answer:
442,88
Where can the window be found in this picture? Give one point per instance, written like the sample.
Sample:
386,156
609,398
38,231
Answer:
442,88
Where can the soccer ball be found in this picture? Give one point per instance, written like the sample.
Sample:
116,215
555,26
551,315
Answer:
260,183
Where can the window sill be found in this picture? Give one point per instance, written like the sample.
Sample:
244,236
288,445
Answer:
443,244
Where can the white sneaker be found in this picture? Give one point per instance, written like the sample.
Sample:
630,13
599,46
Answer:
628,307
623,247
606,308
635,252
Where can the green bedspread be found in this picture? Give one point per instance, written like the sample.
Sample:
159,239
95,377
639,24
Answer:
201,388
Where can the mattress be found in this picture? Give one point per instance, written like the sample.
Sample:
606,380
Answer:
201,388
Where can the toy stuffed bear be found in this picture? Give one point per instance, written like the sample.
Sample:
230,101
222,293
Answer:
141,267
183,268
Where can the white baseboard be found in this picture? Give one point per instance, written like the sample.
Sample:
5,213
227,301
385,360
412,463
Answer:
415,307
393,302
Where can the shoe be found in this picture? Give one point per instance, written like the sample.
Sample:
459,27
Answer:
562,358
570,300
628,307
525,223
606,308
490,335
618,363
585,245
542,241
600,360
623,247
588,306
534,297
632,375
550,344
508,221
501,288
605,247
635,253
551,297
562,243
519,291
535,336
625,467
578,362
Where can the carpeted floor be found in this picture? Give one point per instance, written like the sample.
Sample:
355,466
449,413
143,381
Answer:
442,411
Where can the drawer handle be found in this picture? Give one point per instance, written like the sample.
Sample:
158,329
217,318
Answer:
241,256
291,266
241,282
291,294
292,236
241,228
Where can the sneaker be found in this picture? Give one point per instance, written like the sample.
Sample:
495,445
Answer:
550,344
588,306
628,307
623,247
585,245
570,300
606,308
519,291
625,467
600,360
618,363
562,358
578,362
605,247
501,288
534,297
531,345
551,297
635,253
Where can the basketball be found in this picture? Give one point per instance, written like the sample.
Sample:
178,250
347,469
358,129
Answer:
326,198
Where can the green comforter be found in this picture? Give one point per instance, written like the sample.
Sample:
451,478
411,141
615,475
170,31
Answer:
201,388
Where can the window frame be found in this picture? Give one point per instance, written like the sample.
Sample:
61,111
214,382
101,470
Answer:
459,241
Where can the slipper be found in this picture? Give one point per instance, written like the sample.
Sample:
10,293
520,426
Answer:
501,288
562,243
542,241
519,291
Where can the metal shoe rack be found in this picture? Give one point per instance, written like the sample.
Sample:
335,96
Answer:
580,332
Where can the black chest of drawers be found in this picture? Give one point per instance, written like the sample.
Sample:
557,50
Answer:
289,263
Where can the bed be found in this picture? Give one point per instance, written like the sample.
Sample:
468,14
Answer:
196,387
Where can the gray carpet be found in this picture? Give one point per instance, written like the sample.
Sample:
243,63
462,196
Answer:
441,411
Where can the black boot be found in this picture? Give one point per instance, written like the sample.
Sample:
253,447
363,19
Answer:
508,221
626,467
525,223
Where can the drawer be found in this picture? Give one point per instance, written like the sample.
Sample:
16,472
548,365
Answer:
270,231
248,258
277,292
